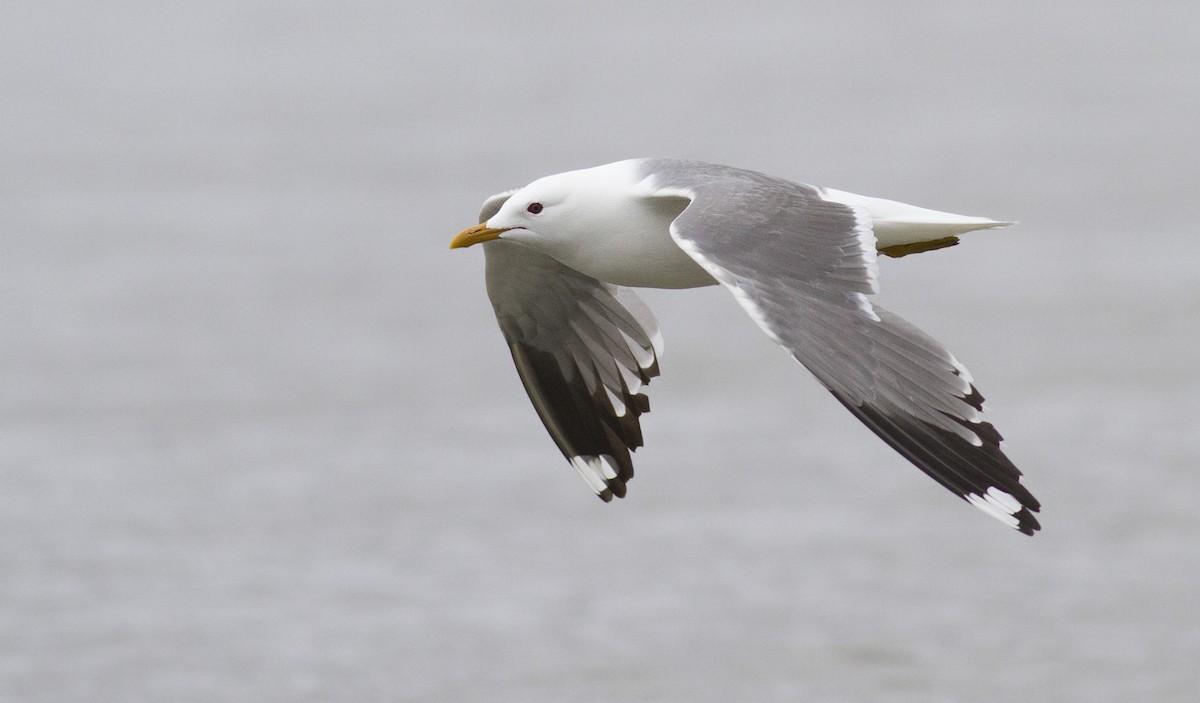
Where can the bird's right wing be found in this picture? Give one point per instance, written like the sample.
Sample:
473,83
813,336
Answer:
583,350
802,266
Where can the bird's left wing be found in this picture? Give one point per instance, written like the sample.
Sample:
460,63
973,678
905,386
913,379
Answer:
802,267
583,350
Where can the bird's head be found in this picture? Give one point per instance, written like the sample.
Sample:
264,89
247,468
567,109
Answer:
558,214
540,215
598,221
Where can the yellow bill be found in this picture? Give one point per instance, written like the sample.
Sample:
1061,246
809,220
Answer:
475,235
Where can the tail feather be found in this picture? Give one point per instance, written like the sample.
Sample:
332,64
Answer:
907,229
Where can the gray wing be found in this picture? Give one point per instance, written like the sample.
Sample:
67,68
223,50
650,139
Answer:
583,350
803,267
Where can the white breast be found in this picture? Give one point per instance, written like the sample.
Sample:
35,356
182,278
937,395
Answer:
620,236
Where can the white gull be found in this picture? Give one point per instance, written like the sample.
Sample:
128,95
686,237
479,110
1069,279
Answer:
563,252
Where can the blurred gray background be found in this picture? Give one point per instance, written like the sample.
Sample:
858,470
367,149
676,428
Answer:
261,439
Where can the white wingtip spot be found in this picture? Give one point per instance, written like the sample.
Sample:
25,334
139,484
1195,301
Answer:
596,470
608,465
1004,499
999,504
589,467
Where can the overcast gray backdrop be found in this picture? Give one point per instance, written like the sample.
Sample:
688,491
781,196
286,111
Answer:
260,439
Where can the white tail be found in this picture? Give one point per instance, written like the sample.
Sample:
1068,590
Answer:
907,229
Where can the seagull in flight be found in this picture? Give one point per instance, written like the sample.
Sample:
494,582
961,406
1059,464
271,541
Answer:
563,253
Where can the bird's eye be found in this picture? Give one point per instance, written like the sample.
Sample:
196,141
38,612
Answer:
534,208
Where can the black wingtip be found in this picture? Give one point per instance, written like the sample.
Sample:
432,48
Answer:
1027,524
617,486
614,488
978,473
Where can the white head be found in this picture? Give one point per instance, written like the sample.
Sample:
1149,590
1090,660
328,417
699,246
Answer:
557,211
598,221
